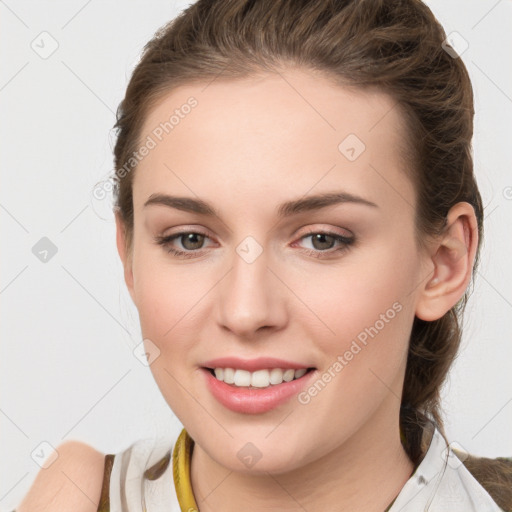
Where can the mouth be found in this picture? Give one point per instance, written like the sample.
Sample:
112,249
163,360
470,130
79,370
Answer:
258,391
259,379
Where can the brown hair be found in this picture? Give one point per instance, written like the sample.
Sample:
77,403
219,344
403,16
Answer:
395,46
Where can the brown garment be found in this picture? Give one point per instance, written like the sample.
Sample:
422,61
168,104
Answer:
104,504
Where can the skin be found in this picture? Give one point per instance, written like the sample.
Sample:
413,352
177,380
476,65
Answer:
247,147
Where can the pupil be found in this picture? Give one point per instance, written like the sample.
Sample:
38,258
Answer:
321,238
190,238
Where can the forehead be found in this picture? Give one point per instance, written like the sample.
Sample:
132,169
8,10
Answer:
278,133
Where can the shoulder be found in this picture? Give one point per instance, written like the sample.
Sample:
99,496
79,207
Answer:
143,473
72,482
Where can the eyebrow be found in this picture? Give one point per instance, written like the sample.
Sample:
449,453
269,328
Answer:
287,209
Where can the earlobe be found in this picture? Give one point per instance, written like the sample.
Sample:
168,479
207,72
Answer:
452,258
126,258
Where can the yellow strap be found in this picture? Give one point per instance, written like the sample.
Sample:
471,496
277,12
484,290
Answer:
181,472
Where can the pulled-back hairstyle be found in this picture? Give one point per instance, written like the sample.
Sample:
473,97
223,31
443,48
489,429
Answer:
395,46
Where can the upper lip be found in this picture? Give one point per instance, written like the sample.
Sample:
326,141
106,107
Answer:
252,365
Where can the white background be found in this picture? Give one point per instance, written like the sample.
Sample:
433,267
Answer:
68,325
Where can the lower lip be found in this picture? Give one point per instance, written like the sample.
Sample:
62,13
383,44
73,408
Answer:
254,400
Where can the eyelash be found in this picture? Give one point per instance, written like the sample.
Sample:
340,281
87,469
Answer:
165,241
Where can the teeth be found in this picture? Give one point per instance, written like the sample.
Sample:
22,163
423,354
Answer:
288,375
229,375
300,373
259,378
242,378
276,376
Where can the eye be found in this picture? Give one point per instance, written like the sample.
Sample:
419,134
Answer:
323,243
191,241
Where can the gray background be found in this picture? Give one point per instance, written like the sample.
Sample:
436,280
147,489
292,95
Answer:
68,324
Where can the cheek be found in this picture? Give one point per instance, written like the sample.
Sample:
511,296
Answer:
368,302
166,295
155,305
167,300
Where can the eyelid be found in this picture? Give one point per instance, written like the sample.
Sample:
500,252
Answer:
182,230
171,237
343,239
331,230
186,228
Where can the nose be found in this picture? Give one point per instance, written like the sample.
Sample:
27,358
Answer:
252,299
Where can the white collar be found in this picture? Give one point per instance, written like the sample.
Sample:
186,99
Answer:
442,483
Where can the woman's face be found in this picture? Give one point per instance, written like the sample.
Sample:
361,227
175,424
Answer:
265,276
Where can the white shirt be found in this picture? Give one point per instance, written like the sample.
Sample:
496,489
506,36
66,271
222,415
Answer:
441,482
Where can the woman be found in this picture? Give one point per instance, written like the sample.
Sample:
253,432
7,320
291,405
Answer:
299,223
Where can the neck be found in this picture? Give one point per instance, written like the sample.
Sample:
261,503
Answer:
365,473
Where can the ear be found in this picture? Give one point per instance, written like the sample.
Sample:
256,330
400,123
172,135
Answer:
451,264
126,258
